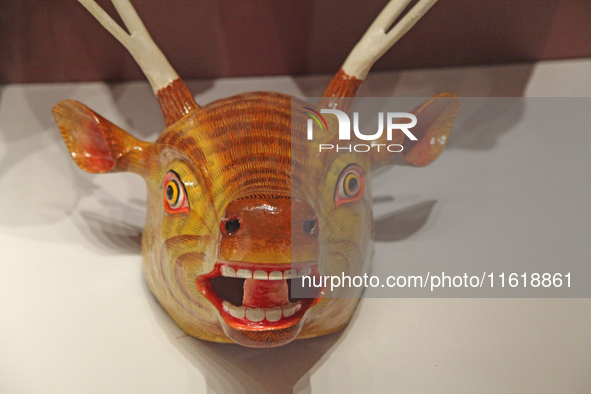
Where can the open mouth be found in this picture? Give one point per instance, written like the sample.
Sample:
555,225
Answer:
257,297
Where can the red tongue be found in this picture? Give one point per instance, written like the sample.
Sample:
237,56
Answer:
265,293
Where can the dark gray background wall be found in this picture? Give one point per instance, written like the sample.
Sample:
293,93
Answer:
57,40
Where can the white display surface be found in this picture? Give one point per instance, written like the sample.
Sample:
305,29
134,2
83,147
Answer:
76,315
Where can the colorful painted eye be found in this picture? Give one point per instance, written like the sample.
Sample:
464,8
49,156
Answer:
350,185
175,196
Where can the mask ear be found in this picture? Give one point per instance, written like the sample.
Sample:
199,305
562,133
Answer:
435,119
97,145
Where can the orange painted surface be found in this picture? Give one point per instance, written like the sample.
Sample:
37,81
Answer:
241,206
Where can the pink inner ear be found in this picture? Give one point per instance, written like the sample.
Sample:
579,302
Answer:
435,121
91,144
426,119
86,136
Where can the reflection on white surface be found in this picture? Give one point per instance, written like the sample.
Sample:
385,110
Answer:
76,315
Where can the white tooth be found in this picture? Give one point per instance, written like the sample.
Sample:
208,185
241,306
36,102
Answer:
289,309
226,305
273,314
246,274
260,275
228,271
255,314
275,275
290,274
237,311
304,272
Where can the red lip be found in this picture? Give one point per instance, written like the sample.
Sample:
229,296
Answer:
255,297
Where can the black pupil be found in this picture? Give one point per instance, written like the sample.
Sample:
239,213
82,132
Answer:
232,225
169,192
309,226
353,184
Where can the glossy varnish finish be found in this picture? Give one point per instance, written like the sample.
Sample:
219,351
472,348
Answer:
240,203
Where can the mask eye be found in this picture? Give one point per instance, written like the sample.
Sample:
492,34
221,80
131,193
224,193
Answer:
175,196
350,185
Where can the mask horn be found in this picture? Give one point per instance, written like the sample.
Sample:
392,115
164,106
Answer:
374,43
173,95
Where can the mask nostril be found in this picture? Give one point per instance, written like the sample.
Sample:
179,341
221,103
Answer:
310,226
231,226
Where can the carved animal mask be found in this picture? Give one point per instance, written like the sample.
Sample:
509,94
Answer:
229,225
